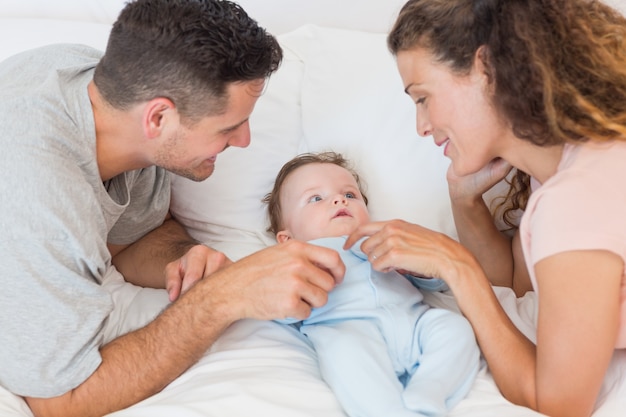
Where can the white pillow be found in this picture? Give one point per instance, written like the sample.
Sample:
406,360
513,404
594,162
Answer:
32,33
281,16
339,90
277,16
85,10
353,102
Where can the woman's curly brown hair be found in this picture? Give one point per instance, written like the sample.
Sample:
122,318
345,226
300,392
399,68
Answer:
558,66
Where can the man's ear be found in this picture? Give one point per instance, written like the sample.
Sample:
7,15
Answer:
157,113
282,236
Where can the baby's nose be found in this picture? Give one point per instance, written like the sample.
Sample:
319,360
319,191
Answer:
340,199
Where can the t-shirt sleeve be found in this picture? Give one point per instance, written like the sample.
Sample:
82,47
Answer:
579,212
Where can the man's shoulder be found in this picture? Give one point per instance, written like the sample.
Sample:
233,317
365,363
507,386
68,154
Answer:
58,52
27,69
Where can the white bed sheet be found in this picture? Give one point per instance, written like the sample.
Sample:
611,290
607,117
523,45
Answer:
267,369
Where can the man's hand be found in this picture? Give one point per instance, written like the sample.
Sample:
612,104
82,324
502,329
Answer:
284,280
199,262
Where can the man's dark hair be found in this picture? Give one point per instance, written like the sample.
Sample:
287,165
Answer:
188,51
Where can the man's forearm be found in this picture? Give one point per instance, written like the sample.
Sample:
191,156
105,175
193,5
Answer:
143,262
142,363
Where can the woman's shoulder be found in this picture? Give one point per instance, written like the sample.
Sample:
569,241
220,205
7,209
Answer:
580,207
588,183
593,153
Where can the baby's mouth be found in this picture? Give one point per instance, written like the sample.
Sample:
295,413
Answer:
342,213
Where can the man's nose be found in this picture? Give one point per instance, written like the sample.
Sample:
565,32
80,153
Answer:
242,138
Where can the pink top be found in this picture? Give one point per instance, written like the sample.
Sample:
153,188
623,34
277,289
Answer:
581,207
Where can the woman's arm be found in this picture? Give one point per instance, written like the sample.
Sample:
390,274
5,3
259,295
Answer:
478,233
577,328
576,331
577,325
499,255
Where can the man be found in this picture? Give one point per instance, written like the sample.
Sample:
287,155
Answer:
88,143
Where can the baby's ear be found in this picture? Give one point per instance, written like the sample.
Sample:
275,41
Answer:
282,236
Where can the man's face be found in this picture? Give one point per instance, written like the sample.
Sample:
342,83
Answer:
191,152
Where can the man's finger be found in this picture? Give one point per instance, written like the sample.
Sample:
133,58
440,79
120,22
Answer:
172,286
328,261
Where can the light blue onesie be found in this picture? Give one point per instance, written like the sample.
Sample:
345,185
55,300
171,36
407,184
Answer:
382,350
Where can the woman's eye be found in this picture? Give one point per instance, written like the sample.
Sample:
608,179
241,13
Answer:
315,199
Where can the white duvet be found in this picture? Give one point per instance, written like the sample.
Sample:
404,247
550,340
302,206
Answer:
268,369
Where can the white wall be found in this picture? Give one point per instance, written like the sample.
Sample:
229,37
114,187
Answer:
278,16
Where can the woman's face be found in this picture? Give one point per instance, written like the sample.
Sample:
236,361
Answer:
455,110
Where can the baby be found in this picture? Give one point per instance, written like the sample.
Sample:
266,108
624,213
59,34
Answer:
381,349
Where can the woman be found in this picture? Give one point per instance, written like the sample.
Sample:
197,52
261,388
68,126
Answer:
539,86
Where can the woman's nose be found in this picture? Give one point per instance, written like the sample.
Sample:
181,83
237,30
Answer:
423,124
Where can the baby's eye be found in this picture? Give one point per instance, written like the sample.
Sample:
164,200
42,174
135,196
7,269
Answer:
420,100
350,195
315,199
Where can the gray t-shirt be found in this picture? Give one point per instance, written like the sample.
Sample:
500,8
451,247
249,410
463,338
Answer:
56,217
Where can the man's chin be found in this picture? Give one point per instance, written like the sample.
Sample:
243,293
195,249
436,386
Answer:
196,176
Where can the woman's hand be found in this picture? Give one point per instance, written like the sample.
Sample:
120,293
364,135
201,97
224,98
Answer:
399,245
473,186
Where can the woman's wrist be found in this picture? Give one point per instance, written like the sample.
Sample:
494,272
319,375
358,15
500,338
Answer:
467,201
467,281
456,262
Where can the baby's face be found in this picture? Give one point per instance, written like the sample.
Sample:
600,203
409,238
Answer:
320,200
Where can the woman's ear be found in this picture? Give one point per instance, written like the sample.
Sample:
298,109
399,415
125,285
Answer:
282,236
482,66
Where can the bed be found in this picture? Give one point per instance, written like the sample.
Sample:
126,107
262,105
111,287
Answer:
337,89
